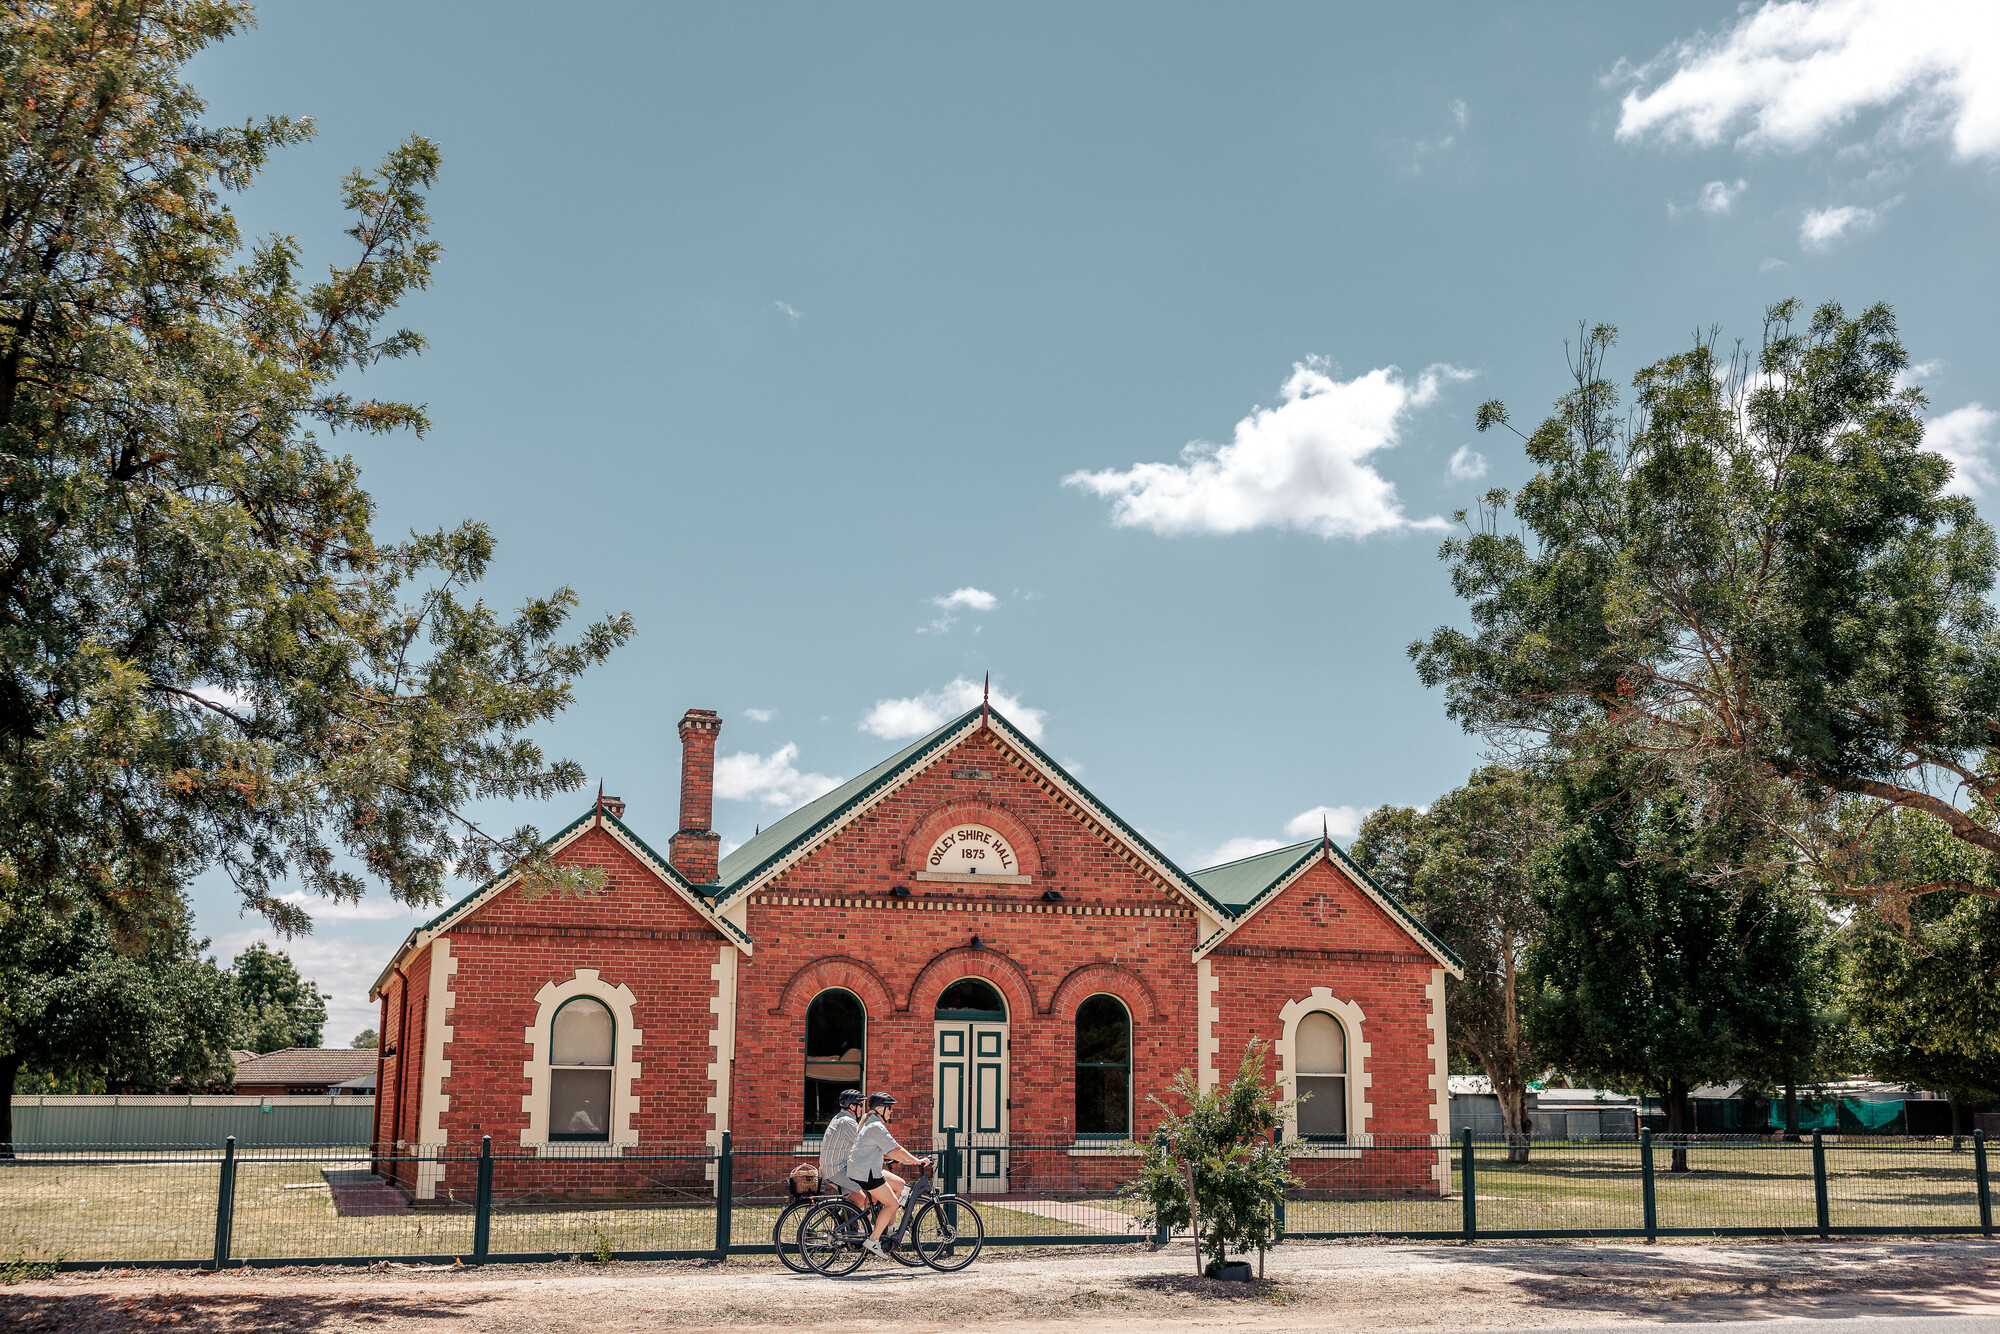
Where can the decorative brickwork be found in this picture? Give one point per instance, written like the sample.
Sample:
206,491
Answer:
712,993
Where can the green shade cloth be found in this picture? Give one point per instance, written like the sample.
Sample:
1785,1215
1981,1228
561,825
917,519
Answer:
1846,1115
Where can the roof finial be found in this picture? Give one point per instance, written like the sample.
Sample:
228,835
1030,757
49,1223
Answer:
985,699
597,811
1325,839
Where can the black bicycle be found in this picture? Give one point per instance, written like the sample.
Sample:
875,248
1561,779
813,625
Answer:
937,1229
791,1218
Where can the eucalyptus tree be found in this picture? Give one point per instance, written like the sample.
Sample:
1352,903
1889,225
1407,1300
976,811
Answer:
1468,868
1924,987
1754,588
207,657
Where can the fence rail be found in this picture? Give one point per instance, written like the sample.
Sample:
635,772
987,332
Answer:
99,1206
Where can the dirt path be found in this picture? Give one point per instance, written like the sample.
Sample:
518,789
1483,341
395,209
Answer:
1444,1287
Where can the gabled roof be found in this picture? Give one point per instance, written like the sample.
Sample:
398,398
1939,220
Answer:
595,818
1244,886
307,1065
793,837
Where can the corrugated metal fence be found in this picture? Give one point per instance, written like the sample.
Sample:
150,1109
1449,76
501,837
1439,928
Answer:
153,1121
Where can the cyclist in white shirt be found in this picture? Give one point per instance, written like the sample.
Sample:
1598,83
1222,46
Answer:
867,1165
837,1143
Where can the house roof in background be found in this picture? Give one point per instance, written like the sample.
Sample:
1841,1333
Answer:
307,1065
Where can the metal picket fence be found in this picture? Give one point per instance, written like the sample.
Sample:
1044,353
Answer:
89,1207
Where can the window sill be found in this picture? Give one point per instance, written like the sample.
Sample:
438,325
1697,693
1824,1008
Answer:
1111,1148
577,1148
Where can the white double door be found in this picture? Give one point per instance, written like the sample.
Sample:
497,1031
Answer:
971,1098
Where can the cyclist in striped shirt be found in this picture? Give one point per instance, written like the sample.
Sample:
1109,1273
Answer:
837,1143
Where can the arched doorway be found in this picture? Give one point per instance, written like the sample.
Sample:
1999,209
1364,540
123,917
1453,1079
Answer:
970,1046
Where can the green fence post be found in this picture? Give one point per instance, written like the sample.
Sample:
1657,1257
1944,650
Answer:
1652,1206
1819,1186
1985,1181
1278,1139
1468,1196
725,1195
951,1174
482,1203
225,1203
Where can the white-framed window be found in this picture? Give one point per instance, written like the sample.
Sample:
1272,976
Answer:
581,1040
1323,1051
1322,1077
581,1069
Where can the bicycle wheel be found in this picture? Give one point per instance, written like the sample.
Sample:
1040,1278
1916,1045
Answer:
830,1239
946,1246
785,1235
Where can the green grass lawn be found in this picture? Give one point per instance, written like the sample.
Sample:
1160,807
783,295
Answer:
166,1209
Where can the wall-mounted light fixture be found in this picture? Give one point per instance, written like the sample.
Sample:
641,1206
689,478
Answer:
976,944
1051,896
900,892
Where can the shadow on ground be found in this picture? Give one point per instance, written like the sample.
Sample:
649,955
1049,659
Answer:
1752,1282
222,1312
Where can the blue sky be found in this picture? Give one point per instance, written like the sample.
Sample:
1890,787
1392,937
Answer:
857,351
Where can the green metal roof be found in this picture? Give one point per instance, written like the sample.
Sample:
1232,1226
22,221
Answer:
1242,884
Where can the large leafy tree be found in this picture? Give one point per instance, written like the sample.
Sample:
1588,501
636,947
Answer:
275,1007
1754,586
1656,970
1924,992
207,658
1468,867
82,1010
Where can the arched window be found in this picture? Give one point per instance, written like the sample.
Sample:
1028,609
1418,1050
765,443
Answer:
972,998
1322,1074
836,1046
580,1049
1103,1067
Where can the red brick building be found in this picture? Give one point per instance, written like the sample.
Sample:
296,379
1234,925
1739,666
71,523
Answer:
963,924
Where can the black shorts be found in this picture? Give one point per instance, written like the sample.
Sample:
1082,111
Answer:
872,1184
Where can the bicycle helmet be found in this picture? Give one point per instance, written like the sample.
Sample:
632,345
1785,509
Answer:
850,1098
876,1100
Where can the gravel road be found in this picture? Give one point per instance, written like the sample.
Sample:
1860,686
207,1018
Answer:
1310,1286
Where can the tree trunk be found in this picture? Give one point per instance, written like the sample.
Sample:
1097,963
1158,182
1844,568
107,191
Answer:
1791,1112
10,1070
1515,1122
1960,1114
1680,1120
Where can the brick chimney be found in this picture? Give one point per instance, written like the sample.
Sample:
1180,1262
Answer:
693,850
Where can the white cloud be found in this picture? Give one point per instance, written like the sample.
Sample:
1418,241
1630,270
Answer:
1303,464
1467,464
1824,228
760,715
1459,112
1789,76
788,312
234,700
972,599
1770,264
896,719
1718,197
1969,437
773,779
1236,849
1340,821
969,599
